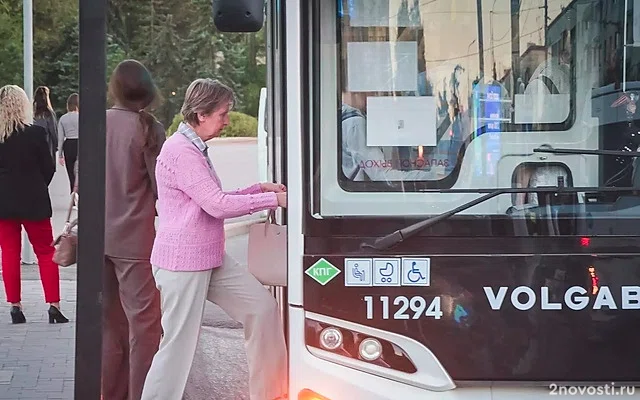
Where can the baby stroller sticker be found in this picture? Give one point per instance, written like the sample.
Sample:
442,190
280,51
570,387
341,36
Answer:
386,272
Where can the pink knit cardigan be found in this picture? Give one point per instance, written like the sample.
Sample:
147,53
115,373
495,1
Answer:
192,207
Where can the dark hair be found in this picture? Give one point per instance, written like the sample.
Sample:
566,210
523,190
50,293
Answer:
42,103
73,102
132,87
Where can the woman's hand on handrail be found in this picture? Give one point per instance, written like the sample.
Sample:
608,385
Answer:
273,187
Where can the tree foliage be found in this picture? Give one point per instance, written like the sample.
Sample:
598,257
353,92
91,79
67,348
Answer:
240,125
175,39
11,48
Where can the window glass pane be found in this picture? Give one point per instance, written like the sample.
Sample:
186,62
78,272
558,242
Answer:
452,99
420,81
449,99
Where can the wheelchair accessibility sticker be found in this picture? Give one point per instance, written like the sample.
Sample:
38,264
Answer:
387,271
416,271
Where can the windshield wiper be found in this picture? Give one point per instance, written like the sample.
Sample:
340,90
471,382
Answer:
619,153
388,241
392,239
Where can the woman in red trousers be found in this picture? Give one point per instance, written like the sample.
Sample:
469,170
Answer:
26,169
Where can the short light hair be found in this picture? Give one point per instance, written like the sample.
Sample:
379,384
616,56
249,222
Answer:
205,96
15,111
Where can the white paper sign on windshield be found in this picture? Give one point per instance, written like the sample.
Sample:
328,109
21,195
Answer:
401,121
382,66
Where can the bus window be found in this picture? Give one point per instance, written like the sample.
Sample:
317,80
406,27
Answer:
411,99
457,96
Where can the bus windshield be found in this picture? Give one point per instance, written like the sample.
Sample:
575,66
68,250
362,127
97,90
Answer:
462,95
413,104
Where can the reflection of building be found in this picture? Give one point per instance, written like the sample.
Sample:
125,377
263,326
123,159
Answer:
593,34
599,46
559,31
532,57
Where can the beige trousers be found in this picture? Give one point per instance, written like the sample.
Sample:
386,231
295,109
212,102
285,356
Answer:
240,295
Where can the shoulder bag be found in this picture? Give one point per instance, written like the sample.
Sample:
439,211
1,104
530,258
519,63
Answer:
267,256
66,244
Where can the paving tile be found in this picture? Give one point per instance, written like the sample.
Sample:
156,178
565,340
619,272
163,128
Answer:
5,377
37,359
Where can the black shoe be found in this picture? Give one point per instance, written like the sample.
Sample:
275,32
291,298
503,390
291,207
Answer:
17,316
56,317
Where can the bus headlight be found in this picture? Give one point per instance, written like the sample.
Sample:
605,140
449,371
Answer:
356,345
307,394
370,349
331,338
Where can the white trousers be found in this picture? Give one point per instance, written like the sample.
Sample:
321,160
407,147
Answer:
239,294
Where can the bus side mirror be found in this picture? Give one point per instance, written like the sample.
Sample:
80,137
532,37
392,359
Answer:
238,15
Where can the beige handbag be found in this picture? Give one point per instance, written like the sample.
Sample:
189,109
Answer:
267,256
66,244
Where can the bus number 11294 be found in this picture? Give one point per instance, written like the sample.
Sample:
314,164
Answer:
403,307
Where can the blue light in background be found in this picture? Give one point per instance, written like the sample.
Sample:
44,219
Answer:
492,108
351,7
489,108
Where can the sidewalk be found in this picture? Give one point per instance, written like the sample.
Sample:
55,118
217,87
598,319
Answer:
37,358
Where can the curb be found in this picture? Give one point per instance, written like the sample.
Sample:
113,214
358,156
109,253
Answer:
240,228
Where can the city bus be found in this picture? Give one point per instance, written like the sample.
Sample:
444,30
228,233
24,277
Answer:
463,214
507,267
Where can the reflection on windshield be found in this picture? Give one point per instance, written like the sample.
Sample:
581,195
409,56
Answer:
451,98
474,92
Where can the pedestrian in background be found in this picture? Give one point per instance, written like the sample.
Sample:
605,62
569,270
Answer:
68,138
44,116
190,263
25,174
131,300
